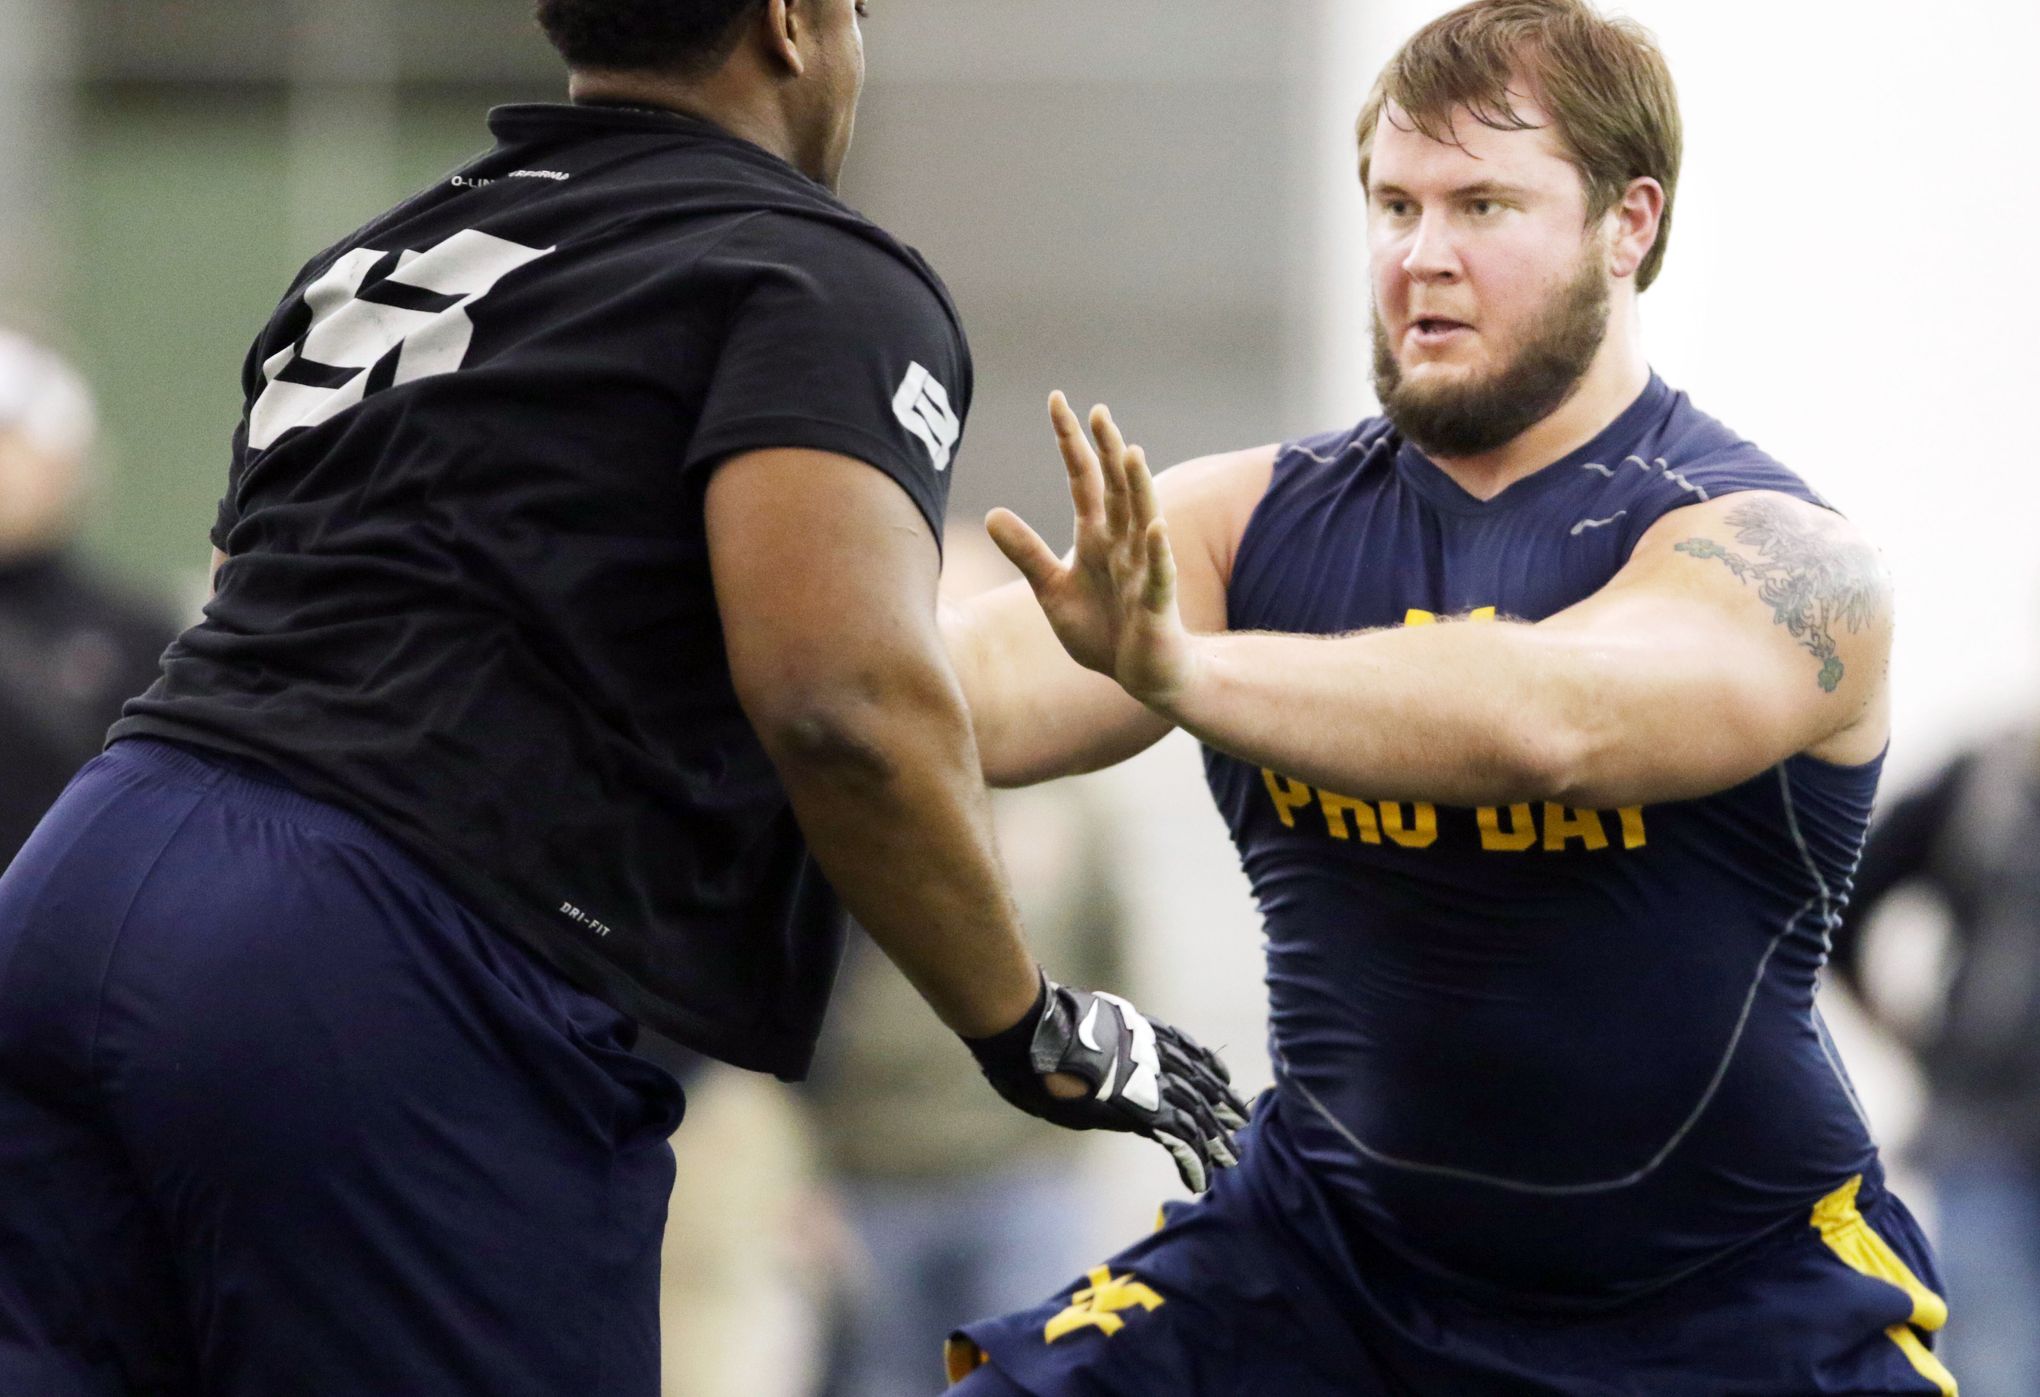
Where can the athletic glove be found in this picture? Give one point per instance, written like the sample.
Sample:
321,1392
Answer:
1145,1077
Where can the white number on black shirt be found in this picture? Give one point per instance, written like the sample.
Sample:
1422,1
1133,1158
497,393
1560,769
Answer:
380,319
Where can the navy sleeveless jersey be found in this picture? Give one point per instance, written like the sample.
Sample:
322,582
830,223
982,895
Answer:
1557,1056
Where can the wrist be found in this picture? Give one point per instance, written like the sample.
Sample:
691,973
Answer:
1175,695
1008,1053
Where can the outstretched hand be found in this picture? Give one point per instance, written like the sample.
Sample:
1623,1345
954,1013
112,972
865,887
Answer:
1112,599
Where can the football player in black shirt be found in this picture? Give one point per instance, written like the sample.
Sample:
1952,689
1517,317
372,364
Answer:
573,649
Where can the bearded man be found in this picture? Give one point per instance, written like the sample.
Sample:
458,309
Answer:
1546,713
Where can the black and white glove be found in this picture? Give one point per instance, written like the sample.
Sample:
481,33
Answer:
1145,1077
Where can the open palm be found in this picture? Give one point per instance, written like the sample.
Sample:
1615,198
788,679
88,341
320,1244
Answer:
1112,599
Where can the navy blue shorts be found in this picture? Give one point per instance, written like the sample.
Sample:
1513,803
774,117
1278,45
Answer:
278,1116
1255,1289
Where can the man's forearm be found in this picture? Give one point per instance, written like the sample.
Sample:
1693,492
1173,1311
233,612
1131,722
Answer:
1458,714
889,798
1037,713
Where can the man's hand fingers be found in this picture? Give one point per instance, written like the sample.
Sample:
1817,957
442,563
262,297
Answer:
1158,591
1145,522
1087,490
1112,463
1140,490
1023,547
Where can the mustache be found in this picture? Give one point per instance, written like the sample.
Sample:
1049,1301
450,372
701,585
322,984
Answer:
1475,416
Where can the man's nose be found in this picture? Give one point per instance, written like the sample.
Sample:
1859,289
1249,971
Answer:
1432,256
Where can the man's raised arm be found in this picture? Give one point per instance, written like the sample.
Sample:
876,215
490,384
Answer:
1038,713
1741,632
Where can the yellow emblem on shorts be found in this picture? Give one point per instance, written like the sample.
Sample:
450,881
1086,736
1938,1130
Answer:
1098,1305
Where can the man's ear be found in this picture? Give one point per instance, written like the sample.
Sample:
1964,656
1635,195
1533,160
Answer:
780,26
1633,225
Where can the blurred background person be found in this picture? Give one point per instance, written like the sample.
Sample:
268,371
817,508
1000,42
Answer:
72,647
948,1211
1969,839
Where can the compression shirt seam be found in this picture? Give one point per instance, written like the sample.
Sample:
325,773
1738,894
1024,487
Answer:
1828,919
1633,533
1664,1152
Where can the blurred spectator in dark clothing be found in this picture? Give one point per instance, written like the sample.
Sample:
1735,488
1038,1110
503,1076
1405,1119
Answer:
71,650
1970,838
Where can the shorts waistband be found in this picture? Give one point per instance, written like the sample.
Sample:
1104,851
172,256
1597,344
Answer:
243,780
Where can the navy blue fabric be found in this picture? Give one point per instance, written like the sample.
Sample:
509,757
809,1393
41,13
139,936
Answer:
278,1116
1262,1290
987,1382
1555,1057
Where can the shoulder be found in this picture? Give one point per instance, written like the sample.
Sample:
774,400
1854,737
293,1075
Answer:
1208,501
1779,529
1690,459
837,249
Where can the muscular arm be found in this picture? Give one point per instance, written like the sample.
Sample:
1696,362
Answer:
1741,632
825,577
1038,713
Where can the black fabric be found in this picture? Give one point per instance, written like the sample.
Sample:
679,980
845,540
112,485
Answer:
468,593
72,651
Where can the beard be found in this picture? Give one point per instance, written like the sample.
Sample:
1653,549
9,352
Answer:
1470,418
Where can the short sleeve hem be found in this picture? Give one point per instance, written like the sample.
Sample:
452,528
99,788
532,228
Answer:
915,476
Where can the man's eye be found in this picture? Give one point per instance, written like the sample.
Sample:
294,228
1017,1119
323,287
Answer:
1482,208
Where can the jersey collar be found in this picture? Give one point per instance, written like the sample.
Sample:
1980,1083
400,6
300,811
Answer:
1424,476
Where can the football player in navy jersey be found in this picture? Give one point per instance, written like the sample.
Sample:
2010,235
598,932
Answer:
1546,713
573,650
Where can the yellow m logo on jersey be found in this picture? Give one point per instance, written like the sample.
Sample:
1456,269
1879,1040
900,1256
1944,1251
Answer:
1098,1305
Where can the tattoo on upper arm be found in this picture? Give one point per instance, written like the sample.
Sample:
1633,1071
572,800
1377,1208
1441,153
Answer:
1812,580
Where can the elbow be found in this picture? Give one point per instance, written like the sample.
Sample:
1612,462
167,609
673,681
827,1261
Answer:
855,734
843,743
1549,760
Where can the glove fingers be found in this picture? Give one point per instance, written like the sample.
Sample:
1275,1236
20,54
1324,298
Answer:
1215,1065
1190,1047
1217,1140
1189,1162
1211,1086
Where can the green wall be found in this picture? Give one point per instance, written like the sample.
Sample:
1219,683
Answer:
179,233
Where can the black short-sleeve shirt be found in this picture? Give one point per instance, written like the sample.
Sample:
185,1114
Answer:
468,592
